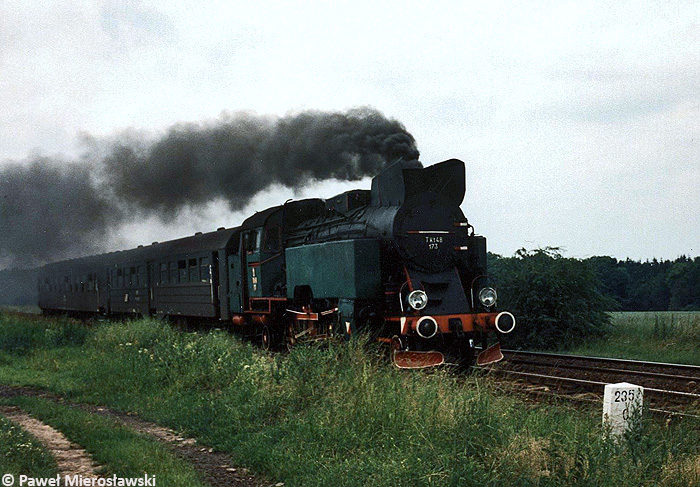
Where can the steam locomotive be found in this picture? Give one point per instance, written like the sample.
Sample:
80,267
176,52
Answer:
399,262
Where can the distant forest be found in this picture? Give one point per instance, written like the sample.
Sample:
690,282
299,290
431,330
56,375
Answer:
666,285
635,286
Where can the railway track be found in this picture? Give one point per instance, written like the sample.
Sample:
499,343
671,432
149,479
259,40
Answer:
670,388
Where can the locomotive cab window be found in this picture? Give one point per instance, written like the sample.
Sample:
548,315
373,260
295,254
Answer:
271,242
251,240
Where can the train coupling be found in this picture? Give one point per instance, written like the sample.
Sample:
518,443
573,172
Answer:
491,355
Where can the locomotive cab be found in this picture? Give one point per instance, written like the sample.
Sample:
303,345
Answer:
257,278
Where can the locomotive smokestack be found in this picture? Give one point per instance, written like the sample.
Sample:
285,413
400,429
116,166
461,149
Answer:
52,209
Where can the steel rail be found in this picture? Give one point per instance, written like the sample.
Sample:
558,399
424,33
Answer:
642,373
592,401
640,363
686,396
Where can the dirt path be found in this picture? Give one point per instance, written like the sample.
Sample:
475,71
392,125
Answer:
216,468
71,459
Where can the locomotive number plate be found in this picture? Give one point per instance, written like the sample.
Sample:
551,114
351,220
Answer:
433,242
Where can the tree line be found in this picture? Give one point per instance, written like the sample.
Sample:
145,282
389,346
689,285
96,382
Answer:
665,285
559,301
654,285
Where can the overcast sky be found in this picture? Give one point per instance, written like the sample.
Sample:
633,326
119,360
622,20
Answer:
579,122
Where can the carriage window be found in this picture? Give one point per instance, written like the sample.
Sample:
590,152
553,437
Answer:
120,278
182,268
271,242
204,269
193,270
163,273
142,275
173,272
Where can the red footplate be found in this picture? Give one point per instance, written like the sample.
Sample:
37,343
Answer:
418,360
491,355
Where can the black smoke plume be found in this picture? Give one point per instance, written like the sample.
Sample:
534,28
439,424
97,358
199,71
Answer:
51,209
241,154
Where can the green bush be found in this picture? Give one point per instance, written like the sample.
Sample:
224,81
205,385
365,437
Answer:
556,300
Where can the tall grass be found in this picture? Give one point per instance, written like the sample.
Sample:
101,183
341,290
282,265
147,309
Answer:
39,333
664,336
339,415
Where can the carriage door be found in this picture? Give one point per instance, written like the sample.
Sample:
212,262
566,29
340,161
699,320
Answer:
235,284
152,279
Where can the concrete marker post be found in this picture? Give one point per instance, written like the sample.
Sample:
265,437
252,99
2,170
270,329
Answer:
622,408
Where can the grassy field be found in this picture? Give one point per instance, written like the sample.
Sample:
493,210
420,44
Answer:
21,453
118,450
338,415
664,336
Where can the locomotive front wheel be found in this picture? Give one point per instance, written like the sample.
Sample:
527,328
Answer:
266,338
397,345
289,339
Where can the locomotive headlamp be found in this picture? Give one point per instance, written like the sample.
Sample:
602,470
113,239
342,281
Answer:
488,296
427,327
505,322
418,299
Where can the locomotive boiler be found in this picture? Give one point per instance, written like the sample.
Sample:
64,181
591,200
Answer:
399,263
